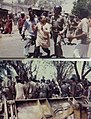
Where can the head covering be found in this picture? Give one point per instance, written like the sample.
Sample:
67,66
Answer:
22,12
30,9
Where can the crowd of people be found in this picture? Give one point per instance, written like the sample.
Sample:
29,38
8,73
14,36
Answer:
52,25
17,83
6,24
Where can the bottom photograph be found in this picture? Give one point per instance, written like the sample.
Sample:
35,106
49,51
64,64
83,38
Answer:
45,89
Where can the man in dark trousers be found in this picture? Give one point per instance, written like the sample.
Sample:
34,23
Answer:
59,26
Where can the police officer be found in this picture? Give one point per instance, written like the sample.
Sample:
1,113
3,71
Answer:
58,28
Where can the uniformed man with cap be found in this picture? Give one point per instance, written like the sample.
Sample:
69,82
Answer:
58,28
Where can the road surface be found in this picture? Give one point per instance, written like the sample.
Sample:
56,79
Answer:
11,46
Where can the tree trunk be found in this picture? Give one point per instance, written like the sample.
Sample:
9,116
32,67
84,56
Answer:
86,73
76,70
83,68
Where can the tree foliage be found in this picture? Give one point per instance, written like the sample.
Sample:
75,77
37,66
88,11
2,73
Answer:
64,70
47,4
81,4
85,69
30,2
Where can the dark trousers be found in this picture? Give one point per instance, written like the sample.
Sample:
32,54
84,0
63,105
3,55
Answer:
55,35
20,30
37,51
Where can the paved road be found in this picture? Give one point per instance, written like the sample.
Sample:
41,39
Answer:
11,46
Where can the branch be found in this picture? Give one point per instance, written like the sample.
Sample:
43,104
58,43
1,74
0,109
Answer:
37,71
86,73
68,70
34,69
76,70
83,68
72,62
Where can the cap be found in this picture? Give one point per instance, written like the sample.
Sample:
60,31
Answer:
30,9
22,12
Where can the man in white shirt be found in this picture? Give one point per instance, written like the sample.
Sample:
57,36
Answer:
19,88
82,33
43,37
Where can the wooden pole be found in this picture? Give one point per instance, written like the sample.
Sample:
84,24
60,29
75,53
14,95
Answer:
5,108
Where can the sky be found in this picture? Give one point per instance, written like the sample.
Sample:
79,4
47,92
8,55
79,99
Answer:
67,6
45,68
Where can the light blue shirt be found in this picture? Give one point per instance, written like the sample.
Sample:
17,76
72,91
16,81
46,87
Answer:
28,26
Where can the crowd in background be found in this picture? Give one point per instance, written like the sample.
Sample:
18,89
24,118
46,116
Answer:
6,24
17,83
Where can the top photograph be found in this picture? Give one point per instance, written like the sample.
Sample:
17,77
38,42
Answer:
45,29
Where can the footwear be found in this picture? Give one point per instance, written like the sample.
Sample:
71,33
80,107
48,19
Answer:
26,55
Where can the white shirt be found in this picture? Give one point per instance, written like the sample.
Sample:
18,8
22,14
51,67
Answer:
28,26
19,91
42,39
84,28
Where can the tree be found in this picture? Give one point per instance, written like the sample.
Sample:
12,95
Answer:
89,6
64,70
19,1
30,2
81,4
47,4
29,69
85,70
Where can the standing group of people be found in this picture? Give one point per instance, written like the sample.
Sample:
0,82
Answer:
52,26
33,88
16,82
39,31
58,27
6,24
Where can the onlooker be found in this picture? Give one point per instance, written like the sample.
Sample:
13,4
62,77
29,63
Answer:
9,24
19,88
21,22
82,33
29,26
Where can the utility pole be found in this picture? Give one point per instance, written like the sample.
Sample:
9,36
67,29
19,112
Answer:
12,6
